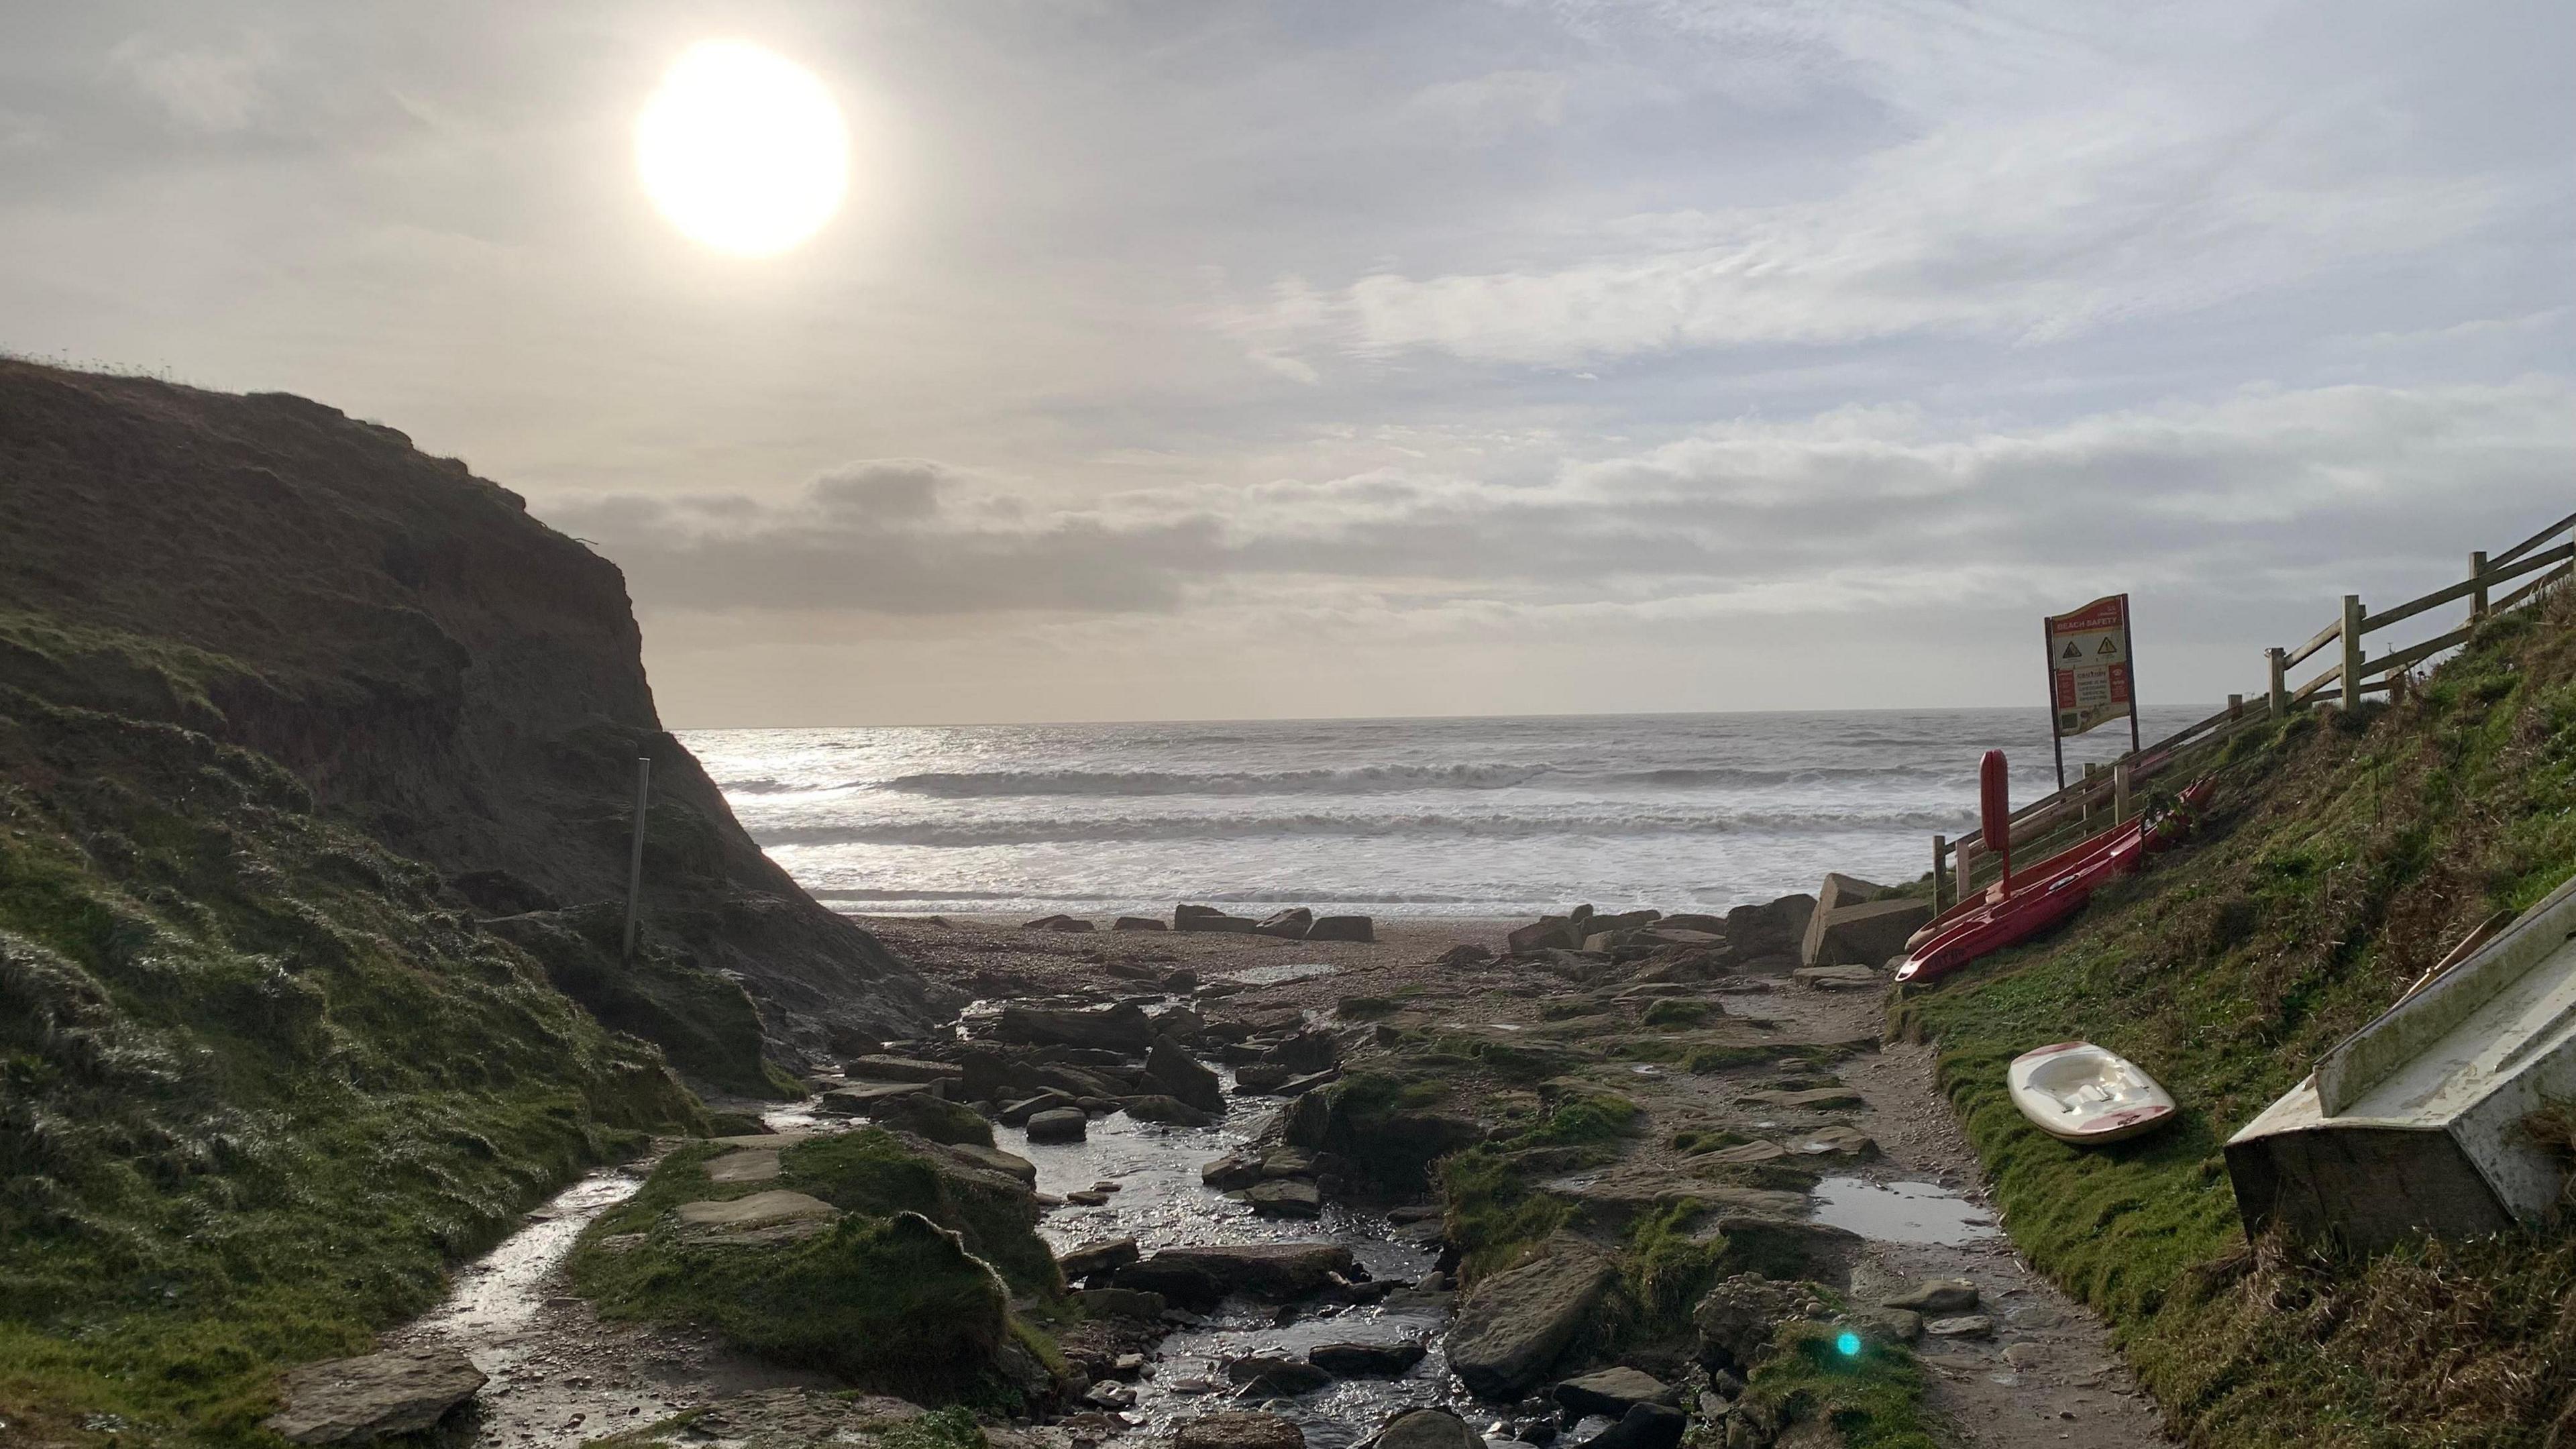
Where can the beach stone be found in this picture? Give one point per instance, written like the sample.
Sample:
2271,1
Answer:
1342,928
1777,928
1305,1051
1101,1255
1057,923
1182,980
1966,1325
1610,1391
1790,1248
1511,1327
1167,1110
353,1400
1462,955
1836,978
1087,1197
900,1069
1288,1162
1546,933
1201,1276
1284,1198
1643,1426
748,1165
1240,1168
1850,1141
1429,1429
1119,1303
1705,925
1209,918
1138,923
1059,1124
1937,1296
1366,1360
1738,1319
1287,925
866,1098
1272,1374
1888,1325
1018,1113
1172,1071
1261,1076
1120,1028
1237,1430
1814,1099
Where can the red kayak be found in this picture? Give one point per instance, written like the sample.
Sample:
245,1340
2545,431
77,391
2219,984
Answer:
2029,901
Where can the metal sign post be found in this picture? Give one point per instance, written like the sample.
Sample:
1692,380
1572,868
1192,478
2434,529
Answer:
2090,681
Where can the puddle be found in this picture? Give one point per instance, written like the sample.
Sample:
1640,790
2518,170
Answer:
1901,1212
1273,975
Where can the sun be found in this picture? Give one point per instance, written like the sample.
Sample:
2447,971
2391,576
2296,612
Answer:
742,149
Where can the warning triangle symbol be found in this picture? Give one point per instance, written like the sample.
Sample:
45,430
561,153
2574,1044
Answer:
2110,645
2073,650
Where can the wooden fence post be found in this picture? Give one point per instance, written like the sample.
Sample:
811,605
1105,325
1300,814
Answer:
2478,597
2280,696
2119,792
2235,706
2352,661
1940,874
1967,869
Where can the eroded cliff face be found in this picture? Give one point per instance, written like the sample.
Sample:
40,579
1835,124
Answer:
444,672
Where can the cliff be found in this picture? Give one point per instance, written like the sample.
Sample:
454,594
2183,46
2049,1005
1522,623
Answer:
444,673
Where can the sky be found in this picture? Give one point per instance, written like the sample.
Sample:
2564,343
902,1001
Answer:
1205,359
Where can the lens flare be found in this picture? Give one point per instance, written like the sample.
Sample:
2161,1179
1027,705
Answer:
1848,1343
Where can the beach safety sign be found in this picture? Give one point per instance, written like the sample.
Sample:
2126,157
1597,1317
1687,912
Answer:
2088,665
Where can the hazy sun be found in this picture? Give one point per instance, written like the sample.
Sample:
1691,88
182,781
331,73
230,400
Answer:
742,149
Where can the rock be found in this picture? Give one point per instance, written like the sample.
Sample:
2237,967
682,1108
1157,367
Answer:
1788,1248
1300,1086
1059,1124
1511,1327
868,1097
353,1400
1612,1196
1773,929
1240,1168
1939,1297
1366,1360
1261,1076
1690,921
1967,1325
1110,1396
1200,1276
1837,978
1237,1431
760,1210
1183,980
750,1164
1611,1391
1745,1152
1018,1113
1817,1099
1263,1373
1461,956
1429,1429
1103,1255
1121,1028
1138,923
1888,1325
1738,1319
1287,925
900,1069
1288,1162
1863,935
1305,1051
932,1117
1168,1110
1643,1426
1839,893
1087,1197
1209,918
1342,928
1058,923
1119,1303
1172,1071
2026,1355
1547,933
1283,1198
1850,1141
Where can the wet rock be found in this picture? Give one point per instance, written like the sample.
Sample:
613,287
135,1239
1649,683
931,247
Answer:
1261,1076
1288,1162
1201,1276
1546,933
1209,918
1837,978
1264,1373
867,1098
1283,1198
1706,925
1429,1429
1287,925
1241,1168
760,1210
1342,928
900,1069
1120,1303
1966,1325
1103,1255
1738,1319
936,1118
1239,1430
1457,957
991,1159
1018,1113
1138,923
1173,1072
1306,1051
747,1165
1057,923
1166,1110
353,1400
1774,929
1059,1124
1614,1195
1122,1028
1366,1360
1113,1397
1643,1426
1300,1086
1816,1099
1511,1327
1611,1391
1847,1141
1788,1248
1087,1197
1888,1325
1939,1297
1182,980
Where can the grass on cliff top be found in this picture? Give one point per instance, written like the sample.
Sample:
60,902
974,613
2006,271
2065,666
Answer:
880,1298
258,1085
2344,855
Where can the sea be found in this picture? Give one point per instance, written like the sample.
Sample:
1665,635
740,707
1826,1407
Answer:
1487,817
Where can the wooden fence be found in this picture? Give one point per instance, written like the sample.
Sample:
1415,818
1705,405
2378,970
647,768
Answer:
2109,795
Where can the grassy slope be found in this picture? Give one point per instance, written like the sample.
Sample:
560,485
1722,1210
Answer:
259,1082
2344,857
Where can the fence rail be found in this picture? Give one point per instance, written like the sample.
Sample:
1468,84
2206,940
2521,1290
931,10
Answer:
2108,796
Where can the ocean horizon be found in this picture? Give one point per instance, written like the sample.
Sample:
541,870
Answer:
1410,817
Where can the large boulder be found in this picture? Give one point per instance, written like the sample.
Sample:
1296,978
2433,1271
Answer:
1202,1276
1287,925
353,1400
1209,918
1237,1430
1172,1071
1429,1429
1170,1111
1138,923
1103,1255
1512,1327
1787,1248
1342,928
1059,1124
1740,1317
1310,1050
883,1068
1856,923
1366,1360
1757,935
1120,1028
1646,1426
1546,933
1283,1198
1611,1391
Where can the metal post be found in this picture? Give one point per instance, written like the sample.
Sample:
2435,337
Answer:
2478,596
2056,740
2279,698
635,858
2119,792
1941,896
2352,617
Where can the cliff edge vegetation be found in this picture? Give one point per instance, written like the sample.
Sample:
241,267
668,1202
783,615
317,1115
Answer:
2345,853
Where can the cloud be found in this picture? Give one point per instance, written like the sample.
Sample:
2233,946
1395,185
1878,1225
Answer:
210,89
1489,108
